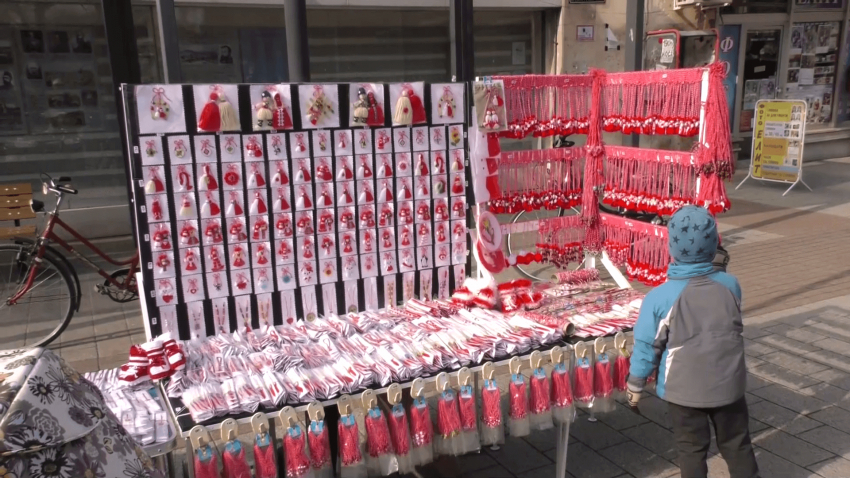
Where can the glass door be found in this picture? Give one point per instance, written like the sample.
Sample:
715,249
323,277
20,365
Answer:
760,72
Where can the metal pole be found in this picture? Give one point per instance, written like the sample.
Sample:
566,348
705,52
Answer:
168,43
463,51
297,51
124,63
635,12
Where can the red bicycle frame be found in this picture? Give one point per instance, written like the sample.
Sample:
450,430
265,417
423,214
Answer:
48,235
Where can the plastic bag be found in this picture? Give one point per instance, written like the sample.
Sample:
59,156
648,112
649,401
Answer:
603,384
295,454
583,390
468,420
400,436
562,395
381,460
518,419
352,464
320,449
540,401
421,432
448,441
492,425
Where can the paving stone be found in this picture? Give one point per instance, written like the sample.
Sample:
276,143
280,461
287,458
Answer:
582,462
795,333
547,471
621,418
754,382
655,409
834,468
829,393
639,461
543,440
791,448
651,435
772,466
596,435
834,377
782,418
793,362
791,399
474,461
829,330
784,343
830,358
518,456
755,349
752,362
717,467
835,417
494,472
830,439
757,426
834,345
783,376
752,332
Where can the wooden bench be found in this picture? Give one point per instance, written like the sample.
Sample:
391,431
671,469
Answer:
15,207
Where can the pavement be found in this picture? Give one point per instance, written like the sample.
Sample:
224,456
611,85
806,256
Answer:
791,256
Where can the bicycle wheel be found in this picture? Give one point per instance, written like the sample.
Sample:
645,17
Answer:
527,242
45,310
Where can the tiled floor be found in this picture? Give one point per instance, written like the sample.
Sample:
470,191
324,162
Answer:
791,257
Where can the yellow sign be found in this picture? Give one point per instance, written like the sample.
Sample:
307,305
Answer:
778,140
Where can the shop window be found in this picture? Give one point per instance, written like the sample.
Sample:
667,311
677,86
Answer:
232,44
813,68
503,42
57,106
761,66
379,45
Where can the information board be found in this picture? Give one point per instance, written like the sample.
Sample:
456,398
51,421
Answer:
779,131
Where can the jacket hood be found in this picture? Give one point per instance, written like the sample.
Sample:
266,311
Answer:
692,236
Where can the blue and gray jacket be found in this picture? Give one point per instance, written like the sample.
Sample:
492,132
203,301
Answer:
690,327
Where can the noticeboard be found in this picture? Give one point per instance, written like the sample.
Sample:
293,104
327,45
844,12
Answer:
779,129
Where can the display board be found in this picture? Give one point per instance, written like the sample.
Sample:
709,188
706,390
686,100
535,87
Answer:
779,133
262,204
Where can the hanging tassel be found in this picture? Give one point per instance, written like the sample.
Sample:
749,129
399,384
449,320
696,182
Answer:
211,206
206,463
234,208
448,424
280,115
518,422
378,444
492,428
403,110
183,179
259,205
468,420
621,371
421,432
400,438
320,448
603,384
294,452
208,181
280,178
562,395
540,401
593,169
186,207
349,445
417,107
264,457
234,461
210,118
229,120
376,113
584,382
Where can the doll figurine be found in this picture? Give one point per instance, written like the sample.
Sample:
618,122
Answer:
361,107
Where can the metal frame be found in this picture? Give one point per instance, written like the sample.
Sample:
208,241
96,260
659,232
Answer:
168,42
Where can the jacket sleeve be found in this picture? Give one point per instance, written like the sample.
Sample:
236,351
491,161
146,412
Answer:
650,340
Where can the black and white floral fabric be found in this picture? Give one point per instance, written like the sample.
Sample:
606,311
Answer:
54,424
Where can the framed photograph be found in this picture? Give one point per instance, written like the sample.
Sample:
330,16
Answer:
584,32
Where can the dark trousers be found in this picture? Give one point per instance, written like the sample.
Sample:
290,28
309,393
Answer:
693,437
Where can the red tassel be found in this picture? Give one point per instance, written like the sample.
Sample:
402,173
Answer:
235,463
448,417
320,445
376,113
562,394
491,405
539,401
519,399
206,463
377,433
603,383
264,464
418,108
466,402
621,372
421,427
297,463
584,381
398,430
210,119
349,441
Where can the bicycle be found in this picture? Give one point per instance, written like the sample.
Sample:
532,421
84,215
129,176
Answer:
42,280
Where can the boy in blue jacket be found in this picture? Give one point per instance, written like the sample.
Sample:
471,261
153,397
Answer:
690,328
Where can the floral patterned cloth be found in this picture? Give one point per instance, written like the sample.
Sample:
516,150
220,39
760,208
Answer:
54,424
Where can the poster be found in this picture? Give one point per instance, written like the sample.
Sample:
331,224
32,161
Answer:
778,138
730,37
812,68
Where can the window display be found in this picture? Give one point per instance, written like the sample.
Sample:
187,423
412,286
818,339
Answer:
812,68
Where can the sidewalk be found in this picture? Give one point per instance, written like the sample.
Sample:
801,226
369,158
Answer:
793,262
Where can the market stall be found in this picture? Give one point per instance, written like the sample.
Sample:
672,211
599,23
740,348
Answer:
307,249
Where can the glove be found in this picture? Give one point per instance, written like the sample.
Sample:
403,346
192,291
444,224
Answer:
633,399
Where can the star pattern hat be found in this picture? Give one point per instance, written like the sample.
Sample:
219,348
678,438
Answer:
692,233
